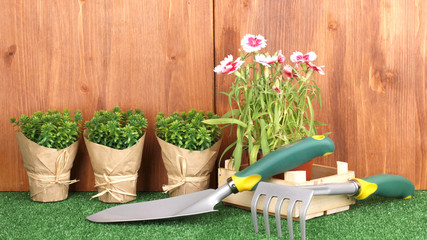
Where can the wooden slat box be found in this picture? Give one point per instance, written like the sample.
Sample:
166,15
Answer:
320,205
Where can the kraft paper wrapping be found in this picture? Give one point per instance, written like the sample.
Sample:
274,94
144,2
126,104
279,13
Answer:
188,172
48,169
116,171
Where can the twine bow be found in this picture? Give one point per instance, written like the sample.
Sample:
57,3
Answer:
60,164
109,182
182,179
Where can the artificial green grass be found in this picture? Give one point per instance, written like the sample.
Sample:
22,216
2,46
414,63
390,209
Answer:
376,218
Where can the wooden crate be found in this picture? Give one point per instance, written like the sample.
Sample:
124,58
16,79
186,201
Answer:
320,205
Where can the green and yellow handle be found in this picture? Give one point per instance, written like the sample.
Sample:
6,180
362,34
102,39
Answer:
384,185
281,160
295,154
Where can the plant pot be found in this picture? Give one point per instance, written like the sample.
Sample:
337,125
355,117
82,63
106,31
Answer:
116,171
188,171
307,167
48,169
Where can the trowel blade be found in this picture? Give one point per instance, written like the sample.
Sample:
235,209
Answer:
190,204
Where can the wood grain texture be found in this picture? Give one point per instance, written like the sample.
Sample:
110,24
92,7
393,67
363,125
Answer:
419,52
160,55
91,55
374,91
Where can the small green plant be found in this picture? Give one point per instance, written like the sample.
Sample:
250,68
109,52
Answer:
51,129
116,129
187,130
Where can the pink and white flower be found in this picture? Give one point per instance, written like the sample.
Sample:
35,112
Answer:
252,43
228,66
319,69
298,57
280,57
266,61
287,69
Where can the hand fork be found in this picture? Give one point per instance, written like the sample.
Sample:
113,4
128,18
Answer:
281,192
383,185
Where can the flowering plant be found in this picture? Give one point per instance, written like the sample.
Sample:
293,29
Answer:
270,101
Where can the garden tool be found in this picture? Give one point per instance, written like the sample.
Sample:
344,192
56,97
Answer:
283,159
382,185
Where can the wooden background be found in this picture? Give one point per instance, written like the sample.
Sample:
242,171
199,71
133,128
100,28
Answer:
160,55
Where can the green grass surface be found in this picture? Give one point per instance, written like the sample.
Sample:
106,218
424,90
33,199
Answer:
376,218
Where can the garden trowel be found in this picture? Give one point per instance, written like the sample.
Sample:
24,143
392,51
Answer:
283,159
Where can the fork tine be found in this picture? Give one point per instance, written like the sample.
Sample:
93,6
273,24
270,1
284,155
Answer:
279,204
282,192
290,219
254,204
265,212
303,214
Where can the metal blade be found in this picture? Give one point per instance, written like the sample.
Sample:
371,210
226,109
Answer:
190,204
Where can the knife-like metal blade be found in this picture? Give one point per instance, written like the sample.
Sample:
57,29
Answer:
190,204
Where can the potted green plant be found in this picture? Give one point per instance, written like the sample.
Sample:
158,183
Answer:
189,150
271,102
48,142
115,141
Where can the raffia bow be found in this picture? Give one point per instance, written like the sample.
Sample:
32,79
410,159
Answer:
182,179
108,183
60,164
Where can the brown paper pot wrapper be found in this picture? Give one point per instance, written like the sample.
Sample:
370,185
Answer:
48,169
188,172
116,171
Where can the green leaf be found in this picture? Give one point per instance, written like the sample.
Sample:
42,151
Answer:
258,115
225,151
232,113
219,121
312,128
319,123
277,115
254,154
264,142
237,154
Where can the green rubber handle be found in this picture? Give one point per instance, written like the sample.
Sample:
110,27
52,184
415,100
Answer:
387,185
283,159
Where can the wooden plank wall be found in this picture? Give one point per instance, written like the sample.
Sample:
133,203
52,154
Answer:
374,91
90,55
159,56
